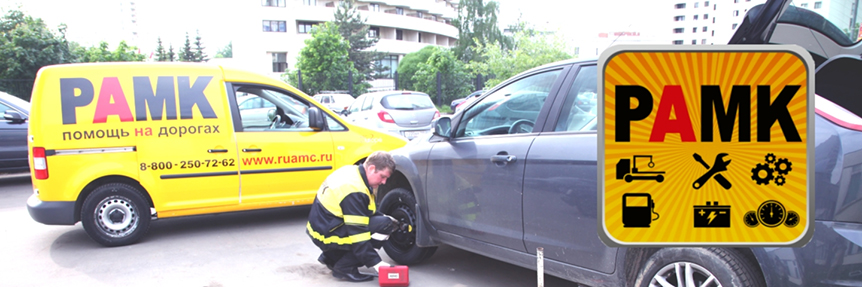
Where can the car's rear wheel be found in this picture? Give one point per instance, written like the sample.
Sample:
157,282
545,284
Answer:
115,214
691,267
401,246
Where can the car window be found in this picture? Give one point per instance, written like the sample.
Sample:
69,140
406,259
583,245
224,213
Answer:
515,106
406,102
579,110
273,110
356,104
4,108
368,103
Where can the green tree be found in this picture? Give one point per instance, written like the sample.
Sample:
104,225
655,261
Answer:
530,49
171,55
477,26
410,64
852,34
161,55
352,27
186,54
26,45
454,78
200,56
123,53
226,52
324,63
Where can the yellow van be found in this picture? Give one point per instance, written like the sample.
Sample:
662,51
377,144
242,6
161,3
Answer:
116,145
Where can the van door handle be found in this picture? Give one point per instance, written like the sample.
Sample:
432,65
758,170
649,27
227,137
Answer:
216,150
251,150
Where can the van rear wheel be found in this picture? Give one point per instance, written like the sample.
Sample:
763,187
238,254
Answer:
115,214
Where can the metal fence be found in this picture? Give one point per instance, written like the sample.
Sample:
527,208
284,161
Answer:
21,88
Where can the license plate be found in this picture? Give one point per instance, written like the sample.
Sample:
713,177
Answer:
413,134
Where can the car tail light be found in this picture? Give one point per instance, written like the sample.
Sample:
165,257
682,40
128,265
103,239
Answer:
385,117
40,163
436,114
837,114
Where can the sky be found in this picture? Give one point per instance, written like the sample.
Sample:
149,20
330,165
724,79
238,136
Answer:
92,21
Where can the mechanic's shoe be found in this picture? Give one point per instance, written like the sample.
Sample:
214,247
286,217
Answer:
352,276
322,260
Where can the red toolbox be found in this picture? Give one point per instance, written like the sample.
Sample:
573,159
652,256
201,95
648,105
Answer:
394,276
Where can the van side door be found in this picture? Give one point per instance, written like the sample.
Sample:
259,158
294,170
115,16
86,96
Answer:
284,161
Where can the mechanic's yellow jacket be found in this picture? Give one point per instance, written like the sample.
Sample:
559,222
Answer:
340,213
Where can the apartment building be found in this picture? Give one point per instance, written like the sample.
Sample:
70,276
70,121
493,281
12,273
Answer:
704,22
278,29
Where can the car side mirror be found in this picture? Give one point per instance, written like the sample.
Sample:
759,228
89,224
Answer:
442,127
14,116
316,121
345,112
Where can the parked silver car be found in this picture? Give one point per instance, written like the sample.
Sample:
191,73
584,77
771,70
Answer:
336,102
13,134
405,113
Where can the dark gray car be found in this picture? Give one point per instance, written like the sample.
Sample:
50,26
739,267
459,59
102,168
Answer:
13,134
509,175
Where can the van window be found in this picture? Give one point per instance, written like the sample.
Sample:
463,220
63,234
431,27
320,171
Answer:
271,110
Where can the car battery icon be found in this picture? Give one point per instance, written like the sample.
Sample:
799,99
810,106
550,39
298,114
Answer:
712,215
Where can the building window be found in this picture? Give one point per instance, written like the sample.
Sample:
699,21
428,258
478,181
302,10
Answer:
679,18
704,28
703,41
818,5
735,13
420,37
705,16
419,15
713,33
735,1
677,30
696,4
694,42
273,3
375,7
374,32
304,27
680,6
279,62
399,34
714,6
390,62
713,20
694,29
804,5
706,4
309,2
734,26
274,26
677,42
695,16
399,11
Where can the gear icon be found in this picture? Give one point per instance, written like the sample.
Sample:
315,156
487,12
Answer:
755,174
779,180
782,166
770,158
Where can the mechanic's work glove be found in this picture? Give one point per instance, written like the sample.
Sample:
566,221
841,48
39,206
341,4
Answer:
377,267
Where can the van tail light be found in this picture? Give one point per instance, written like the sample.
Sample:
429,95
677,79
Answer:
436,114
837,114
40,163
385,117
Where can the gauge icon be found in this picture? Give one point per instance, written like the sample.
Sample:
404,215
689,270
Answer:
750,219
771,213
792,219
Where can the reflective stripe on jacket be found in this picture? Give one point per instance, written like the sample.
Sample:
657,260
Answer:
340,213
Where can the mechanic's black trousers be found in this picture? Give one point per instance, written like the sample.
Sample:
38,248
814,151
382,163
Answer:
345,261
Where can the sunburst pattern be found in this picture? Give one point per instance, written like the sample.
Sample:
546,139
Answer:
675,197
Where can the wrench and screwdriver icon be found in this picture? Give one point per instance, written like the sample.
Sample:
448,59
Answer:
713,172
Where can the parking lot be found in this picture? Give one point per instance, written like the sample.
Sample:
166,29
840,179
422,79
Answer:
257,248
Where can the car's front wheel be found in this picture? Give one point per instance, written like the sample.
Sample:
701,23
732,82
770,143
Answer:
401,246
691,267
115,214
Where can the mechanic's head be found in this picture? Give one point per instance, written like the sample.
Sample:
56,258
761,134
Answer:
378,167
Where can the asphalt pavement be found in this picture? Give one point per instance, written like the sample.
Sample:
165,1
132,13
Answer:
255,248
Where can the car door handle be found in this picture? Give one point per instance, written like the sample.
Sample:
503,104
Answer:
251,150
216,150
503,158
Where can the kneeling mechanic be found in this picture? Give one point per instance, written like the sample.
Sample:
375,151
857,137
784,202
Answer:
344,222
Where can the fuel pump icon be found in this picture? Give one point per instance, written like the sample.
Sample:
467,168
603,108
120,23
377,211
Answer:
627,169
638,209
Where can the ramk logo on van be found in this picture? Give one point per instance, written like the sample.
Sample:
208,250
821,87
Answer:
161,104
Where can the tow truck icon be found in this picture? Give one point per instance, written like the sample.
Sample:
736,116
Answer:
627,169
